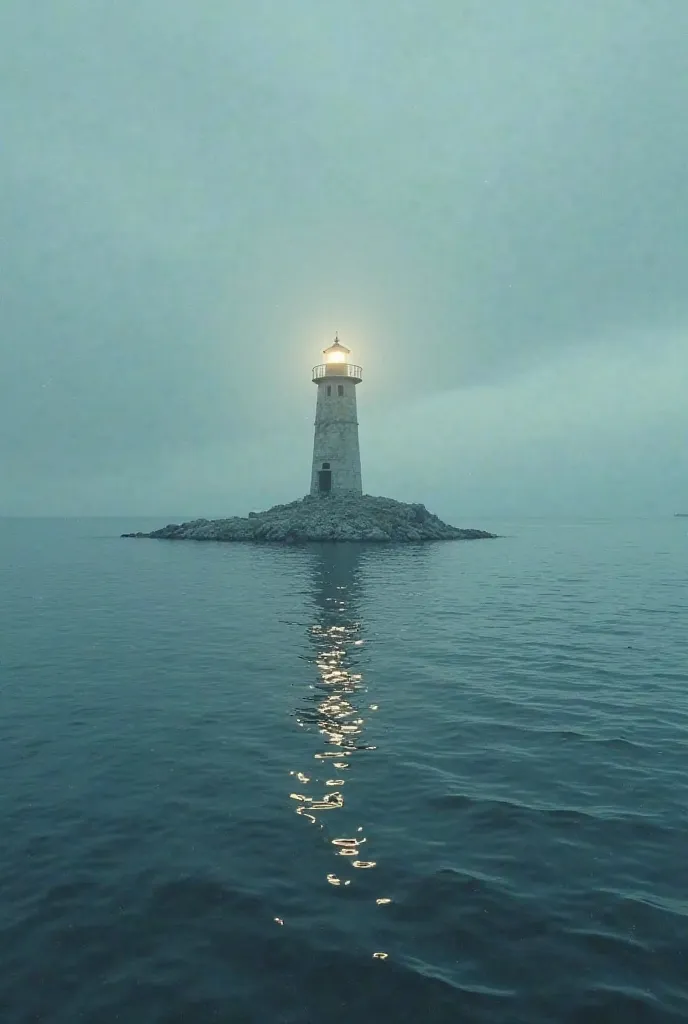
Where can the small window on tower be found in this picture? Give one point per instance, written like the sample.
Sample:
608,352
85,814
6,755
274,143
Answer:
326,465
340,389
329,389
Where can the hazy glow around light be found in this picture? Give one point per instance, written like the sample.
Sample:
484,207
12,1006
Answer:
335,357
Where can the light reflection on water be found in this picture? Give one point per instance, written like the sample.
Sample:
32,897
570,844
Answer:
336,708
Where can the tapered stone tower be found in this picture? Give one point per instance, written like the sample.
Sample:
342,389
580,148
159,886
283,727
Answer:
336,455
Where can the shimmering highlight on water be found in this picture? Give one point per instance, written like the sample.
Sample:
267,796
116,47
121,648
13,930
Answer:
337,783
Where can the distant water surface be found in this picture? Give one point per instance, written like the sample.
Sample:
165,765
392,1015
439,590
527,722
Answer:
344,784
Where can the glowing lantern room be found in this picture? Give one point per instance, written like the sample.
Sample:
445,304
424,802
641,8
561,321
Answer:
336,353
337,363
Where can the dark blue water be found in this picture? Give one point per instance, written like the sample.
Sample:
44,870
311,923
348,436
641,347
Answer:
216,762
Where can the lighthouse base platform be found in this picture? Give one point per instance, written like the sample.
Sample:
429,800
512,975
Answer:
341,517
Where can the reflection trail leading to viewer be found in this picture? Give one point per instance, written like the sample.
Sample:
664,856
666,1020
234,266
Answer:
337,707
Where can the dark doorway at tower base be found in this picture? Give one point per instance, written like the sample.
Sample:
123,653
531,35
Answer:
325,481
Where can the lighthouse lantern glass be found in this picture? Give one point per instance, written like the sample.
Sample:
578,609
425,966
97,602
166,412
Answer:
336,357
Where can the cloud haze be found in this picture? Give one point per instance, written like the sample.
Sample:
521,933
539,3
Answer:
488,201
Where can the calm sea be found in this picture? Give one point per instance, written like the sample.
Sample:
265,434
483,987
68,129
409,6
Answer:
343,784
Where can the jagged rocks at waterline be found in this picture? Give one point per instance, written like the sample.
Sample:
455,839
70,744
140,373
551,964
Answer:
323,518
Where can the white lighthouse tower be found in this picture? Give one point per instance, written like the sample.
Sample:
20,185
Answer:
336,455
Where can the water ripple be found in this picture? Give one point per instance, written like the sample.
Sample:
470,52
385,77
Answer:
331,784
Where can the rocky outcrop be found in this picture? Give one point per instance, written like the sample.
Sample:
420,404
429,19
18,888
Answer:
323,518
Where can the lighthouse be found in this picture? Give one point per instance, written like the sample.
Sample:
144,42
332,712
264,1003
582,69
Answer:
335,509
336,455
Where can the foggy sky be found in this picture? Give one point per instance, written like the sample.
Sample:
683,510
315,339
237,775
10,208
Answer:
489,202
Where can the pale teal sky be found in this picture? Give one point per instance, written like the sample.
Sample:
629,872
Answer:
489,201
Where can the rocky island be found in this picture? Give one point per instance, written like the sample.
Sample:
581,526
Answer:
326,517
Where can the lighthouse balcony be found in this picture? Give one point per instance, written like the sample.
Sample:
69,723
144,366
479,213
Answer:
329,370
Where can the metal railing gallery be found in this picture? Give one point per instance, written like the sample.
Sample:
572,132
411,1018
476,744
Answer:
337,370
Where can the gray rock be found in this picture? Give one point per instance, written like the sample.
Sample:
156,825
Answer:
340,518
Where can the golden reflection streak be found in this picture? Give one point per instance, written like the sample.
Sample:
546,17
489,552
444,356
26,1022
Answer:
336,707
